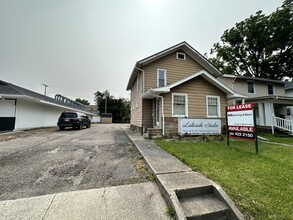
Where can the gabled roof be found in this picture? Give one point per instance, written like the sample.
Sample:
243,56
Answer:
166,89
11,91
181,46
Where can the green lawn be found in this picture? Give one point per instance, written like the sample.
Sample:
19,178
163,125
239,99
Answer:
278,138
261,185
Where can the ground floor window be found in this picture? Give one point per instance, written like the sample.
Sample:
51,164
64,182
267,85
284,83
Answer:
179,105
213,106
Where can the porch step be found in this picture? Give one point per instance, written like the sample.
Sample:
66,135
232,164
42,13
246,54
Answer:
201,204
154,132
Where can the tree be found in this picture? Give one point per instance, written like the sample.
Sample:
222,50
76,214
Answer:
82,101
260,46
120,108
100,98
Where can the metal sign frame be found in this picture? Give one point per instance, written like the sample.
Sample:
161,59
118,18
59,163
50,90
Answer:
241,123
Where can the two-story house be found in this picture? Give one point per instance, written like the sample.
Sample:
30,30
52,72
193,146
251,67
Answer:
176,82
273,104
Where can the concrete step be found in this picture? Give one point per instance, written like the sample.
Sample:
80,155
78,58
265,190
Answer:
201,203
204,207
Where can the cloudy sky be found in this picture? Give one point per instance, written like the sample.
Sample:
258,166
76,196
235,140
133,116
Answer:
78,47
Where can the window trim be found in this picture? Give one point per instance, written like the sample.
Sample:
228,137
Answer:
253,87
186,104
218,106
180,53
165,76
273,89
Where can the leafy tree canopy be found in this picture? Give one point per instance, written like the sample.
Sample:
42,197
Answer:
82,101
260,46
120,108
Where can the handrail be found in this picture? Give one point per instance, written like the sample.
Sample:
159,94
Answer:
284,124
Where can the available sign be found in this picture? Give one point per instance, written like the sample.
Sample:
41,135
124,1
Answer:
198,126
241,122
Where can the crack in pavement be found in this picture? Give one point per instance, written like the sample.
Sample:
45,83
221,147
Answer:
49,207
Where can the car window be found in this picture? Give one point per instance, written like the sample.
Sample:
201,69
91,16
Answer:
68,115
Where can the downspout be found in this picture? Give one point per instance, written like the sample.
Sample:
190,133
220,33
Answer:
163,116
142,78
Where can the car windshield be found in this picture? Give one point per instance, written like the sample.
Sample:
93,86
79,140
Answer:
68,115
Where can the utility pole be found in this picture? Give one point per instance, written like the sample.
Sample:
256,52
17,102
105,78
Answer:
45,93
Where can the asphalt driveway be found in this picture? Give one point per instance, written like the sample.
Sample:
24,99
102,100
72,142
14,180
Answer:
46,161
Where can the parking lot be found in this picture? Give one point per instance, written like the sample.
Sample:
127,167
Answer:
45,161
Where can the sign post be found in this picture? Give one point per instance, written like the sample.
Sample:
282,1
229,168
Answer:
241,123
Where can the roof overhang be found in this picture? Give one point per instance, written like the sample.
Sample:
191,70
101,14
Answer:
166,89
252,78
36,100
181,46
272,98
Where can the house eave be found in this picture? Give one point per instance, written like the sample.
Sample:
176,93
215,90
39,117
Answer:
166,89
271,97
36,100
183,46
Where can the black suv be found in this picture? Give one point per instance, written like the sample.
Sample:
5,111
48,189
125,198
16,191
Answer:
74,120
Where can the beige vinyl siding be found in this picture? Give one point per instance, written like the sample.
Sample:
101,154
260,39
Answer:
136,102
197,89
176,69
147,107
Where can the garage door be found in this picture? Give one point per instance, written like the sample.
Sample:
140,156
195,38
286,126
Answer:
7,115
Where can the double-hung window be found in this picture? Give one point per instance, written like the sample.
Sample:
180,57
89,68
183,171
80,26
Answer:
250,87
179,105
161,77
213,106
270,89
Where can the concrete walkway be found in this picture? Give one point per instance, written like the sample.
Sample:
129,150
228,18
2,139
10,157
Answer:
190,194
137,201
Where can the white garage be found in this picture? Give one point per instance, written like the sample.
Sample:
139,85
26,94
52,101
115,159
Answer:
22,109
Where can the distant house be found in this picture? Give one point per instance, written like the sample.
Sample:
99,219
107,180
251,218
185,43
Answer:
274,100
175,83
289,93
21,108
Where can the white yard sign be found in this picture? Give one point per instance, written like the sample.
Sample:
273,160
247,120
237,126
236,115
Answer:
199,126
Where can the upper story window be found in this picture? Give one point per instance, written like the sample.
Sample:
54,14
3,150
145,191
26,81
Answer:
213,106
270,89
180,56
250,87
161,77
179,105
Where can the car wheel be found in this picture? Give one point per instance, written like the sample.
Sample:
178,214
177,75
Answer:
88,125
80,126
61,128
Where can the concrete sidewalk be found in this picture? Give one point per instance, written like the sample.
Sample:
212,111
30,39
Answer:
137,201
189,193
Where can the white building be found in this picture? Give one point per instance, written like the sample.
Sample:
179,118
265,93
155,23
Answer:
22,109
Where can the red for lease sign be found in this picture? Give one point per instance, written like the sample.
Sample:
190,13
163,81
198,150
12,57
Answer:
240,121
